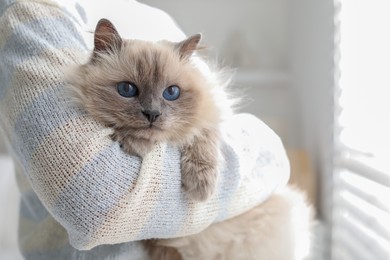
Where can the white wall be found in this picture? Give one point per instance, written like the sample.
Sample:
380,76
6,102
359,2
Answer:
249,33
313,77
312,70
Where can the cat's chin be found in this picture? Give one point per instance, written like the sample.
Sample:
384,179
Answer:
151,132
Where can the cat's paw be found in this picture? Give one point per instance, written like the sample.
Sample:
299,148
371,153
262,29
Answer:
199,180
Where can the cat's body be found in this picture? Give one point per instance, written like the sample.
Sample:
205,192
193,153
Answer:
278,229
152,92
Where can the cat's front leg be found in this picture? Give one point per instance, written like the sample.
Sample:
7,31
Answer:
199,166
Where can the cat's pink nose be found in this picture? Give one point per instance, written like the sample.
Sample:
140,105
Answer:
151,115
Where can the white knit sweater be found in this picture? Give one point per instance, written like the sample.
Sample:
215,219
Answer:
77,185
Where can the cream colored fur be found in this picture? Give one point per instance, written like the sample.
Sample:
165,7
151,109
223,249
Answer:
278,229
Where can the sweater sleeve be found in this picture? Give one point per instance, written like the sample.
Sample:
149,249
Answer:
99,194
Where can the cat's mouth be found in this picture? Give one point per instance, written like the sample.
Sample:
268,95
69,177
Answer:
153,126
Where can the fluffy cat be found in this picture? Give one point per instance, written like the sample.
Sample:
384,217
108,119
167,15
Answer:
152,92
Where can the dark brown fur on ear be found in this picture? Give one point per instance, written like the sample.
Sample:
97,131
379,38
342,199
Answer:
188,46
106,37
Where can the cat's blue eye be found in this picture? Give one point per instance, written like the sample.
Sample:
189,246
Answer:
171,93
127,89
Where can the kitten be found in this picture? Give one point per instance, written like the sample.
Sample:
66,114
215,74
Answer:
151,92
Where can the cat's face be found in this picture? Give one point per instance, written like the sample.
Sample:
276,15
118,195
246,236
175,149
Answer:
149,89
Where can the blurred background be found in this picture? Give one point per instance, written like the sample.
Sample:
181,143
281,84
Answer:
317,73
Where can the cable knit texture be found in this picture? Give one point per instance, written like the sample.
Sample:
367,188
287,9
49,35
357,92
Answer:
69,170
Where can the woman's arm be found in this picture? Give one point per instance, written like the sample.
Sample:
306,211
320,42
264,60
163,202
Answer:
99,194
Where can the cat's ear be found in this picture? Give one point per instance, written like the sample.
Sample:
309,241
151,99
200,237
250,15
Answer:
187,47
106,37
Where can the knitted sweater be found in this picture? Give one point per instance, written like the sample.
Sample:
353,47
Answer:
78,187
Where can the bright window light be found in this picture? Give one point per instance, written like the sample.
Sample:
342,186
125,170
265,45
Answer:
365,76
361,210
